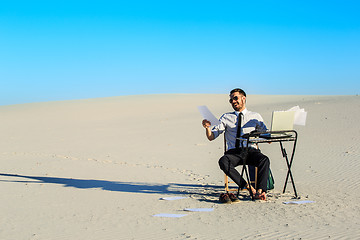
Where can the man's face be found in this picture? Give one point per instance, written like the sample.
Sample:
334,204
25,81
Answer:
237,101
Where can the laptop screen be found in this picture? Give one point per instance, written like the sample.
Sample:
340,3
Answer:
282,120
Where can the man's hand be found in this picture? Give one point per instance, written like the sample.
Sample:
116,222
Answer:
206,124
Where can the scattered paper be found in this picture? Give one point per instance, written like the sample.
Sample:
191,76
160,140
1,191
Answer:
299,202
205,112
300,115
172,198
169,215
199,209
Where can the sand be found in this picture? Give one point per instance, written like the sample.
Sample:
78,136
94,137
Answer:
98,168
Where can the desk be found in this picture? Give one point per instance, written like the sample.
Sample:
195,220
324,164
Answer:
268,137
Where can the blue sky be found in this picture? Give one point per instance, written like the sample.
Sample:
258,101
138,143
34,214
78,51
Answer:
60,50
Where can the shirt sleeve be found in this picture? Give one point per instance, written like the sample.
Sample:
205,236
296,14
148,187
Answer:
220,128
261,127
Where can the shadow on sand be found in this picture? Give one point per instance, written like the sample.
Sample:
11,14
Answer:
129,187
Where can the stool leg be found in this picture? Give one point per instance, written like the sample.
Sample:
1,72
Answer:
256,176
226,183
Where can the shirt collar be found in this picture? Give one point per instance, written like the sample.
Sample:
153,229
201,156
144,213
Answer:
243,112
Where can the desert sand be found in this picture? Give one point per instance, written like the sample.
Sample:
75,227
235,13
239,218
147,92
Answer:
98,168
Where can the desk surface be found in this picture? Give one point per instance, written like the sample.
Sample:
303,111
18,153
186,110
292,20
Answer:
255,137
264,140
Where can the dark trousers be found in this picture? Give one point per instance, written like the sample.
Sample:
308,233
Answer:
235,157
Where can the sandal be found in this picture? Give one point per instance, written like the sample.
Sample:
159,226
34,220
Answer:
233,198
224,198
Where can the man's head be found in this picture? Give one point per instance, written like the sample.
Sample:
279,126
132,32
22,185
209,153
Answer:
238,99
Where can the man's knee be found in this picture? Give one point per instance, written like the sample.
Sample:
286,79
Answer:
223,162
266,160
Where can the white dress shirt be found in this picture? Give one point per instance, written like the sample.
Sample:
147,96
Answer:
228,122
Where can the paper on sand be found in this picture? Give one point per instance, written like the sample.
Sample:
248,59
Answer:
299,202
205,112
172,198
199,209
169,215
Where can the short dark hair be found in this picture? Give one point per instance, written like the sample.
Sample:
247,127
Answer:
242,92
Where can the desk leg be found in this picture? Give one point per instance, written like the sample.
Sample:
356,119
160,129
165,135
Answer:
289,168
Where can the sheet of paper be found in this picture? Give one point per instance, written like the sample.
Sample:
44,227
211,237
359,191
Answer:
300,115
206,114
199,209
299,202
171,198
169,215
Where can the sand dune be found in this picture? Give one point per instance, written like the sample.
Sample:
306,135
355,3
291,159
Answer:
97,168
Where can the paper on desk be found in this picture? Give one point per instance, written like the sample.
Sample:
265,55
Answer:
205,112
300,115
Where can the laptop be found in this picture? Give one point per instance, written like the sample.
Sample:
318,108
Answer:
281,121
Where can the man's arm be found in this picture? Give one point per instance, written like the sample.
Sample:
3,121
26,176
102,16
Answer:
261,125
209,134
